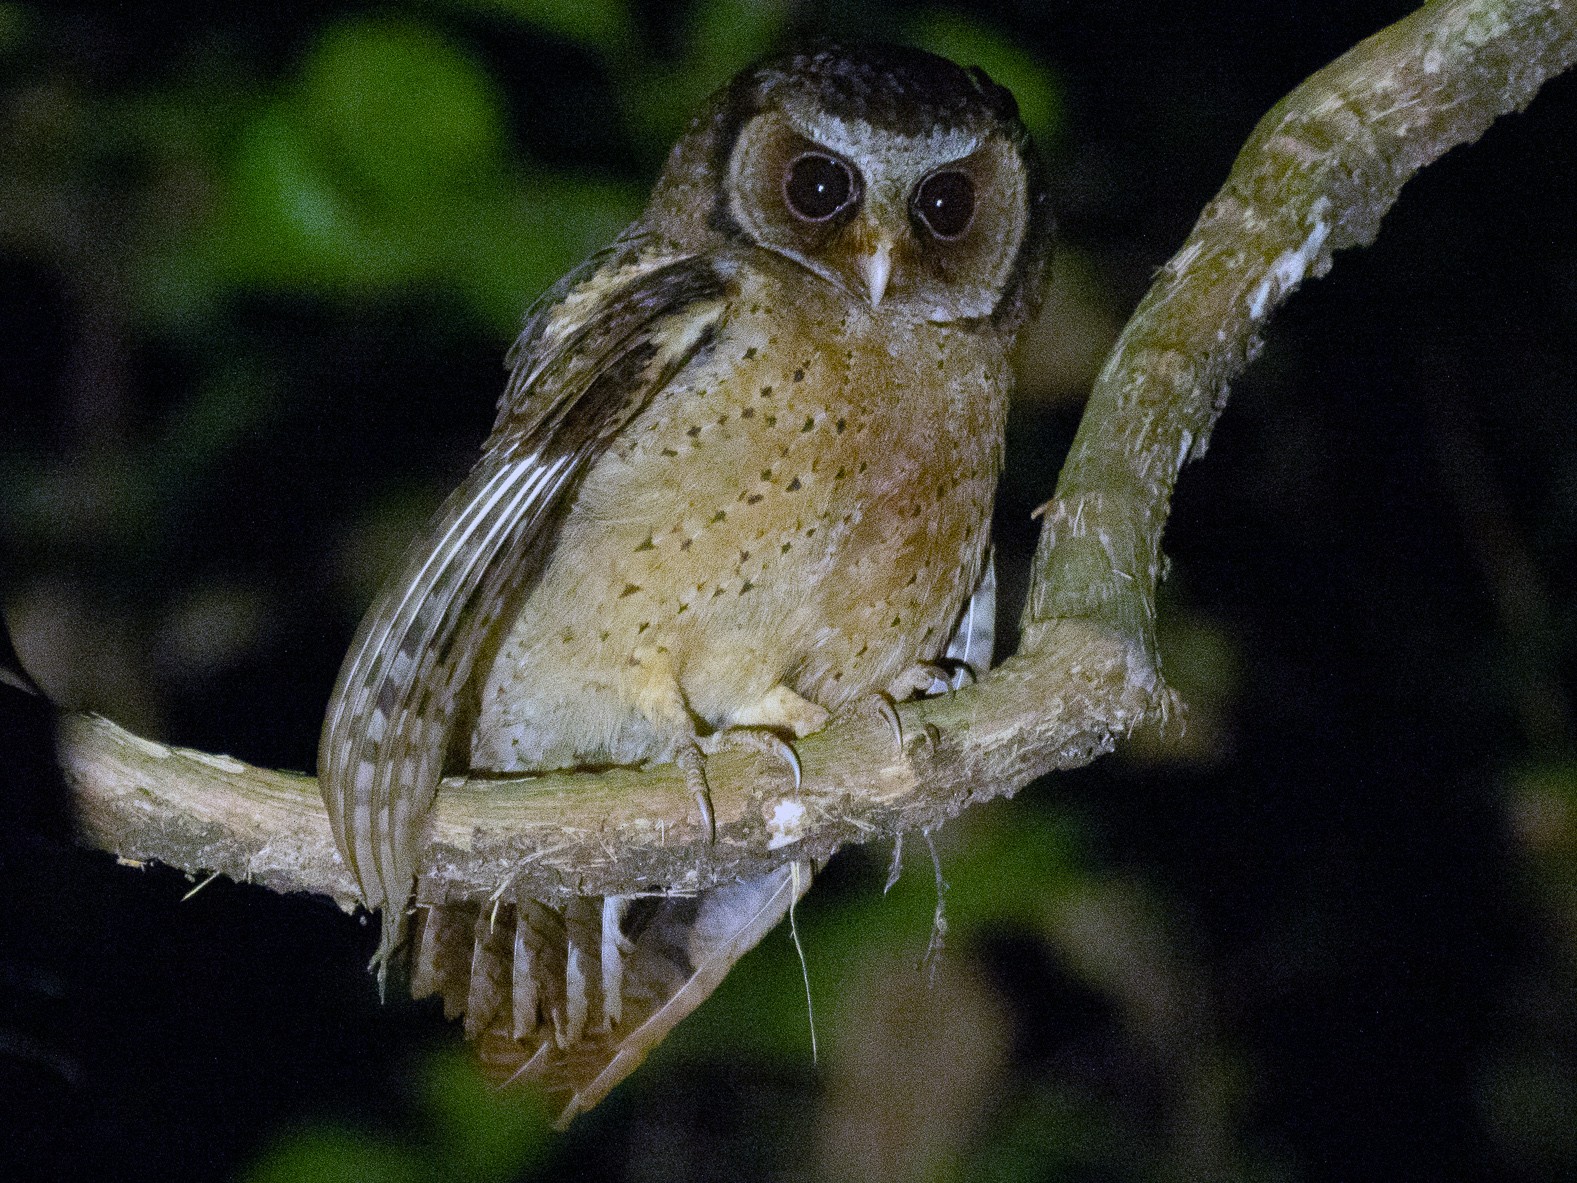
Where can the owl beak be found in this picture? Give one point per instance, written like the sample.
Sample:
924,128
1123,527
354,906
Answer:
877,269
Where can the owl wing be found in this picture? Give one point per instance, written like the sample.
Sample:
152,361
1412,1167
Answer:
578,380
572,997
537,341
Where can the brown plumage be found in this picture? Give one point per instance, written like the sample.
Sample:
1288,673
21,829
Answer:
741,478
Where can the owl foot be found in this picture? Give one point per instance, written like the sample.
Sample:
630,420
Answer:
783,710
756,727
924,679
959,673
691,759
882,704
692,762
757,739
929,678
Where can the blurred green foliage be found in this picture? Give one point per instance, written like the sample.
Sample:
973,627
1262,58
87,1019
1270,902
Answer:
1001,873
466,1130
381,164
953,34
604,25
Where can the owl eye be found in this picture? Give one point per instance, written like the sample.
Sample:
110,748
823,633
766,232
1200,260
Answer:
817,186
945,202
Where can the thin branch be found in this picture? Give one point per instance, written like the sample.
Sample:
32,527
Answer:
1318,174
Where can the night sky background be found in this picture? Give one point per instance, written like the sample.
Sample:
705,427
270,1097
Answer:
259,265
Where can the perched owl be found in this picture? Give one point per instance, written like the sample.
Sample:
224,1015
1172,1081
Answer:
741,479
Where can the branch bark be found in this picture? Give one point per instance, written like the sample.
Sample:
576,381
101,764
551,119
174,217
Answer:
1318,174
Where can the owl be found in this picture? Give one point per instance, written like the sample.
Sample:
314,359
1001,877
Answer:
741,480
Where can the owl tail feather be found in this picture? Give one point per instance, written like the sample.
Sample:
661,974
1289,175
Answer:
573,998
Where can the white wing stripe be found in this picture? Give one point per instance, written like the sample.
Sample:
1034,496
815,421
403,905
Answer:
390,842
382,668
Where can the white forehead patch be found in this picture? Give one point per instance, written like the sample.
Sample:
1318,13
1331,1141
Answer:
859,141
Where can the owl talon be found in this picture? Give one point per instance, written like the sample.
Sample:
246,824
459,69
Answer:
692,762
882,704
798,770
757,739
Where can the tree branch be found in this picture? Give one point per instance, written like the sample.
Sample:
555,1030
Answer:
624,830
1317,174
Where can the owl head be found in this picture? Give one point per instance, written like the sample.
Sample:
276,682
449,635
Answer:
903,179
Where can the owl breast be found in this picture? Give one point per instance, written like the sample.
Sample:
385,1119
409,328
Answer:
806,505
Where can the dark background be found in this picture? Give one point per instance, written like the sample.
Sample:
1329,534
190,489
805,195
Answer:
258,268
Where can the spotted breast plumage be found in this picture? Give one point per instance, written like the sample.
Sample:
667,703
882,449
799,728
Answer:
741,479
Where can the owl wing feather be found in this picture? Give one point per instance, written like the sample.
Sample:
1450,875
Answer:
389,719
644,965
534,343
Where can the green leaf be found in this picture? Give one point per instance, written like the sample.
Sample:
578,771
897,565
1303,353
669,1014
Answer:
400,108
330,1154
482,1133
286,221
